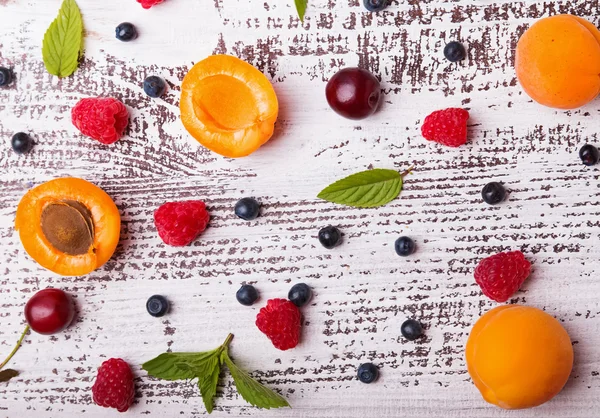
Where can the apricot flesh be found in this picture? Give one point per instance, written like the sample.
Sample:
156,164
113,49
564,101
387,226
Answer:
558,61
228,106
518,356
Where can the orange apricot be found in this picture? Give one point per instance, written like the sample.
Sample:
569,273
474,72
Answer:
518,356
558,61
229,106
68,225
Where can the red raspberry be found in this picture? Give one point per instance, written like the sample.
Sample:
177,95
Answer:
280,320
179,223
447,127
501,275
146,4
103,119
114,386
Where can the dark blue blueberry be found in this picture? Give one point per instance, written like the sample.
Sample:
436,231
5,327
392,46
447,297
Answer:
5,76
368,373
405,246
300,294
21,143
493,193
126,32
247,208
247,295
588,154
157,305
411,329
330,237
455,51
155,86
375,5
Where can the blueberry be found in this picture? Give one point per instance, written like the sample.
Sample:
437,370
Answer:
247,208
455,51
493,193
368,373
300,294
21,143
411,329
405,246
157,305
375,5
126,32
5,76
247,295
155,86
330,237
588,154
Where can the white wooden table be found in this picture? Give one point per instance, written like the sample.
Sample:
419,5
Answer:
363,291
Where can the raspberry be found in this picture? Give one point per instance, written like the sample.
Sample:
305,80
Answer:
501,275
447,127
146,4
179,223
103,119
114,386
280,320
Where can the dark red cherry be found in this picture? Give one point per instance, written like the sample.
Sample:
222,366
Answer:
353,93
49,311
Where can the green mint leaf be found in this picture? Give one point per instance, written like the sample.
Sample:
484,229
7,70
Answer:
301,8
7,374
253,392
367,189
178,366
208,378
63,41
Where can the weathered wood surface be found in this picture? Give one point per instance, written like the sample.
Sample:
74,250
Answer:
363,290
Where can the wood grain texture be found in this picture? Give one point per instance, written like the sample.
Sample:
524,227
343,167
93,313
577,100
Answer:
363,291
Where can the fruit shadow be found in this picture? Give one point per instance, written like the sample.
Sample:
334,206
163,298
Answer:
282,117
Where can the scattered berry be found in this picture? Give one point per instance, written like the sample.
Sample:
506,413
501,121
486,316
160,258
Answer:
353,93
247,295
114,387
411,329
49,311
103,119
375,5
493,193
300,294
146,4
330,237
588,154
455,51
155,86
447,127
126,32
405,246
501,275
368,373
21,143
5,76
280,321
247,208
157,305
179,223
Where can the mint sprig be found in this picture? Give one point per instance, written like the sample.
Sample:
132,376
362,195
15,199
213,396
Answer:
63,41
367,189
301,8
206,367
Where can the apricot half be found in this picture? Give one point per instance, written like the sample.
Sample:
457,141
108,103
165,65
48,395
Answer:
558,61
518,356
228,106
68,225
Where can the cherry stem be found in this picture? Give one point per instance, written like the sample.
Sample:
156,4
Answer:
407,172
16,347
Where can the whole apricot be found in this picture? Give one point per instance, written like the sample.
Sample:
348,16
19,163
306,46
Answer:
518,356
558,61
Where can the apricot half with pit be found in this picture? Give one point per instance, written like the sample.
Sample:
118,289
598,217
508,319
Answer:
228,106
558,61
68,225
518,356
